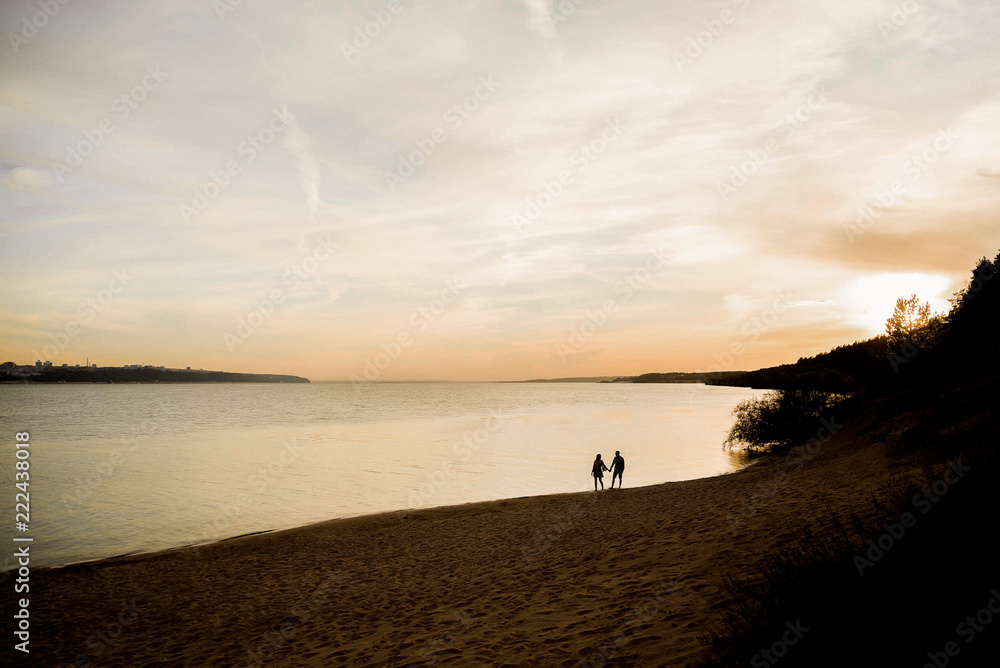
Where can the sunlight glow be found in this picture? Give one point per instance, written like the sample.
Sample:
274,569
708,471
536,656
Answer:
871,299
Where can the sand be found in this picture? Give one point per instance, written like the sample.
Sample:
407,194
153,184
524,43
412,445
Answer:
623,577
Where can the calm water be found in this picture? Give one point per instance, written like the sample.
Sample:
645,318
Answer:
132,468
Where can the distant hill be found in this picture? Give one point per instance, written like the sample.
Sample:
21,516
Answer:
580,379
153,375
846,369
679,377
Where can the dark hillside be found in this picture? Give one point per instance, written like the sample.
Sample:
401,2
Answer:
844,370
879,592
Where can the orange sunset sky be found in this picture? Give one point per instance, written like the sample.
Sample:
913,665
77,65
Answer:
487,190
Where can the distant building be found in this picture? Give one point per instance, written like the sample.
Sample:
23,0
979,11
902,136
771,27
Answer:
12,369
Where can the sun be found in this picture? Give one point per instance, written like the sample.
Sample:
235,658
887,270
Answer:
871,299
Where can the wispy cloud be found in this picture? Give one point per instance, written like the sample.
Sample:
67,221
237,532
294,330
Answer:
540,17
298,143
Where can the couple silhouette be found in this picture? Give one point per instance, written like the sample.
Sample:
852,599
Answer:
617,466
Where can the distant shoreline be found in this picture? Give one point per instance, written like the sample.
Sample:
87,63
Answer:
148,382
120,375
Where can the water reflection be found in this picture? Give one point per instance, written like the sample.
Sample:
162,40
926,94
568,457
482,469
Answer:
119,469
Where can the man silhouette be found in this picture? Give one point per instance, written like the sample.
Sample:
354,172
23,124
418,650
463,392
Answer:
617,466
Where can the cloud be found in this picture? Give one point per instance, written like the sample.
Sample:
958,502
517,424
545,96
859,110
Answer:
297,142
540,17
26,178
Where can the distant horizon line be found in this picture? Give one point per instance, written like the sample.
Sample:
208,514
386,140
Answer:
567,379
564,379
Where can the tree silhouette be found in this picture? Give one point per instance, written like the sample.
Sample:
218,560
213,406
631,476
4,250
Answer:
780,419
911,326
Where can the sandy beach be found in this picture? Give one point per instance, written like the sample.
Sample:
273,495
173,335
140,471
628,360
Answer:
623,577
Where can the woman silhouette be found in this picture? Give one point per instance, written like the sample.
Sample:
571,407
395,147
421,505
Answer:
598,471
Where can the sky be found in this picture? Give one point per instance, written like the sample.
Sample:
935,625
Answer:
486,189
